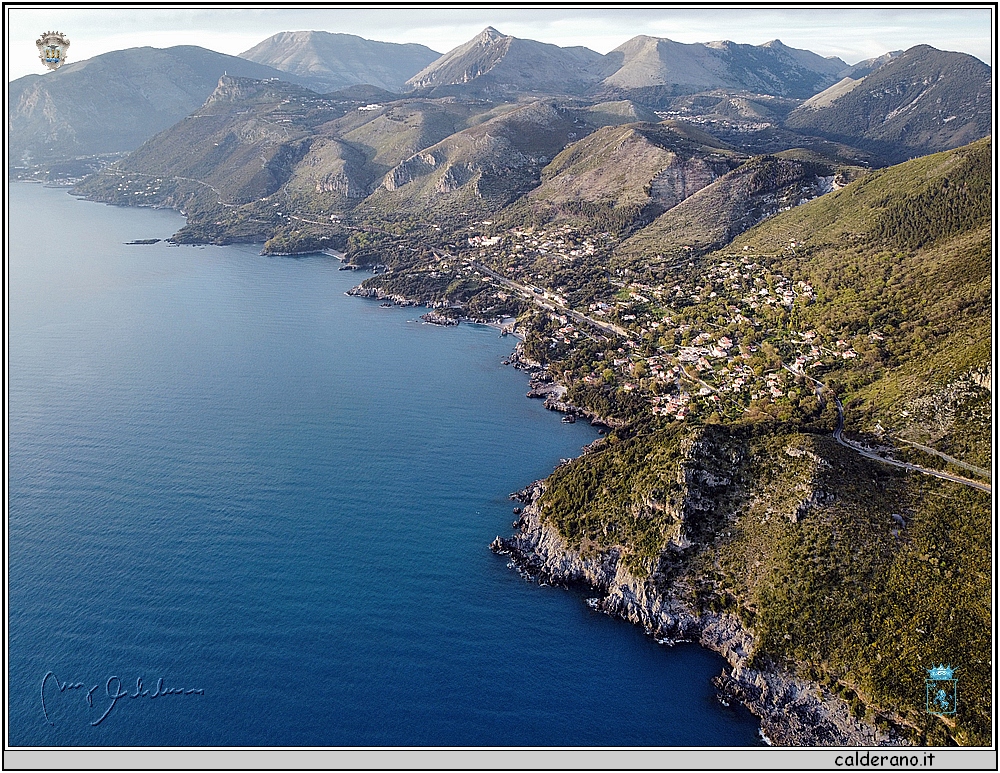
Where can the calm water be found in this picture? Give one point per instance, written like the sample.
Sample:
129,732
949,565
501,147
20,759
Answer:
226,474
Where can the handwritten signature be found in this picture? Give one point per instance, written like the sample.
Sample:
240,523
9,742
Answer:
114,691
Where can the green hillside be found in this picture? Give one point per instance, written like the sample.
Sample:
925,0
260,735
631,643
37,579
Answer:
900,266
394,132
800,540
240,147
855,575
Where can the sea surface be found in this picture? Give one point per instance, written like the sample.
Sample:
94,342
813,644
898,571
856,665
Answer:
246,509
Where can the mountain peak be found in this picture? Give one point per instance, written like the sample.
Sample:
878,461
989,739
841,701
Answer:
332,60
52,116
489,35
498,62
771,68
922,101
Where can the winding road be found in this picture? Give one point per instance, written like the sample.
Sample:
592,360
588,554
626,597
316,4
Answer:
838,435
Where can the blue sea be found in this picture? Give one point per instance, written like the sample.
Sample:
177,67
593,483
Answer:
246,509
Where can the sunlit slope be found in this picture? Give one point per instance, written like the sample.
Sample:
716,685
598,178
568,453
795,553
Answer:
739,200
900,264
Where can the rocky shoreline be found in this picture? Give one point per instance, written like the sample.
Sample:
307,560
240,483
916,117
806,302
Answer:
792,711
542,385
437,318
433,317
380,295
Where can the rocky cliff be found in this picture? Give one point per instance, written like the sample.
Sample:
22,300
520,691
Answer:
717,212
642,165
793,711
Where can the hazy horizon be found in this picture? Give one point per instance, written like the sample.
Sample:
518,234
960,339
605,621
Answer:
873,31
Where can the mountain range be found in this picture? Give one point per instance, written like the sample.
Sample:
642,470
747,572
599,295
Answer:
680,146
115,101
326,61
692,177
496,63
648,65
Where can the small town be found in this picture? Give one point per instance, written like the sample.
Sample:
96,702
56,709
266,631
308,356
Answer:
715,338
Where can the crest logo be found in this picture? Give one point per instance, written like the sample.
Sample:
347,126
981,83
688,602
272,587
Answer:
52,48
942,691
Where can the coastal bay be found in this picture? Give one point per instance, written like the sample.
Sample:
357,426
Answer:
227,474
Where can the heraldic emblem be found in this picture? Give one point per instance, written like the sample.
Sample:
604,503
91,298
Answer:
52,47
942,690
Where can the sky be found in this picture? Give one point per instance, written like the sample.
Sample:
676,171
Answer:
852,33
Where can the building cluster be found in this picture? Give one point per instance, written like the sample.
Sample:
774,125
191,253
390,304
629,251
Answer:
711,338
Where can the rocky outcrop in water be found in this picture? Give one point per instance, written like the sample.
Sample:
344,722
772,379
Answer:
436,318
518,360
379,294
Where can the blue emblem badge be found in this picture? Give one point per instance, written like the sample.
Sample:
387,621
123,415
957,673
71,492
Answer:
942,690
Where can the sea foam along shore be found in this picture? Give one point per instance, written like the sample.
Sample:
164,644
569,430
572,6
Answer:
792,711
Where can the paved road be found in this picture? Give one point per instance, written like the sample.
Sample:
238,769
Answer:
952,459
541,300
838,435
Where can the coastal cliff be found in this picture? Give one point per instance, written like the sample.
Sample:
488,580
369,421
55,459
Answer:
813,571
669,602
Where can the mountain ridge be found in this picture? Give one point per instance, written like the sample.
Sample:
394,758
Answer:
115,101
414,156
645,61
52,117
498,63
327,61
904,107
